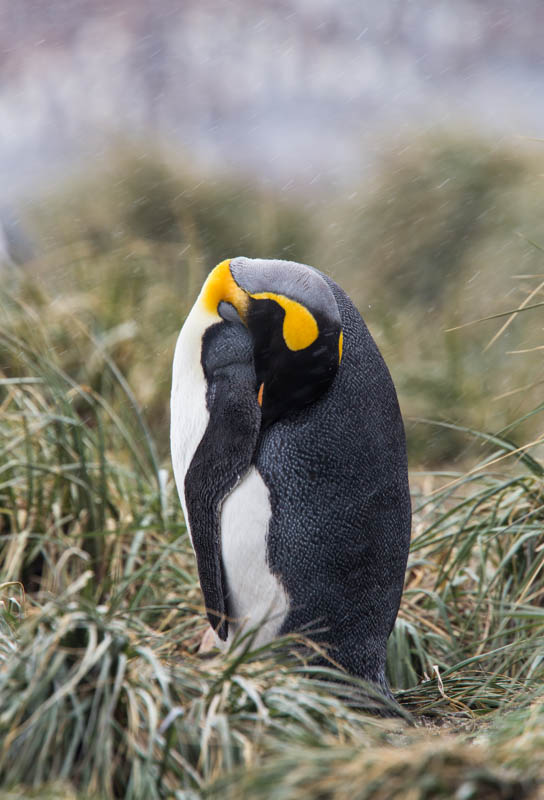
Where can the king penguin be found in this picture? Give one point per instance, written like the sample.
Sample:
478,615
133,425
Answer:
289,457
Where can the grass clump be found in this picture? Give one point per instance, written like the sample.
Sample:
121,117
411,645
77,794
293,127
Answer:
100,685
102,691
412,768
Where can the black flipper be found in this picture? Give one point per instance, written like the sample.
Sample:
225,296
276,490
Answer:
223,456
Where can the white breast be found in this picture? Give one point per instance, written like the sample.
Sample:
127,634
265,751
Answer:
256,597
188,411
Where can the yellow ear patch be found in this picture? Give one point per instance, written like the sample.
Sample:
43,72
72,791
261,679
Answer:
220,285
299,325
340,346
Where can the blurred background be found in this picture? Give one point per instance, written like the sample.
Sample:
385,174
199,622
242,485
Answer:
395,145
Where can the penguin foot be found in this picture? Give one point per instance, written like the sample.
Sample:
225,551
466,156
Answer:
208,641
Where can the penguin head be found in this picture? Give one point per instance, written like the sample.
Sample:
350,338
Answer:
294,322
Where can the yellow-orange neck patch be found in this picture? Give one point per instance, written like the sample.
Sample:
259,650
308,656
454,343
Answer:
340,346
299,326
220,285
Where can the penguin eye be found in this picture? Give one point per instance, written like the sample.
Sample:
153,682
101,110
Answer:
228,312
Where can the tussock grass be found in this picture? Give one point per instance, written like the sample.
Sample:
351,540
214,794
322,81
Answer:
475,578
92,698
381,770
100,685
102,691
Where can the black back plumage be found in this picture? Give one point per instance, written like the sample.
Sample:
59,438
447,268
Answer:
340,528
